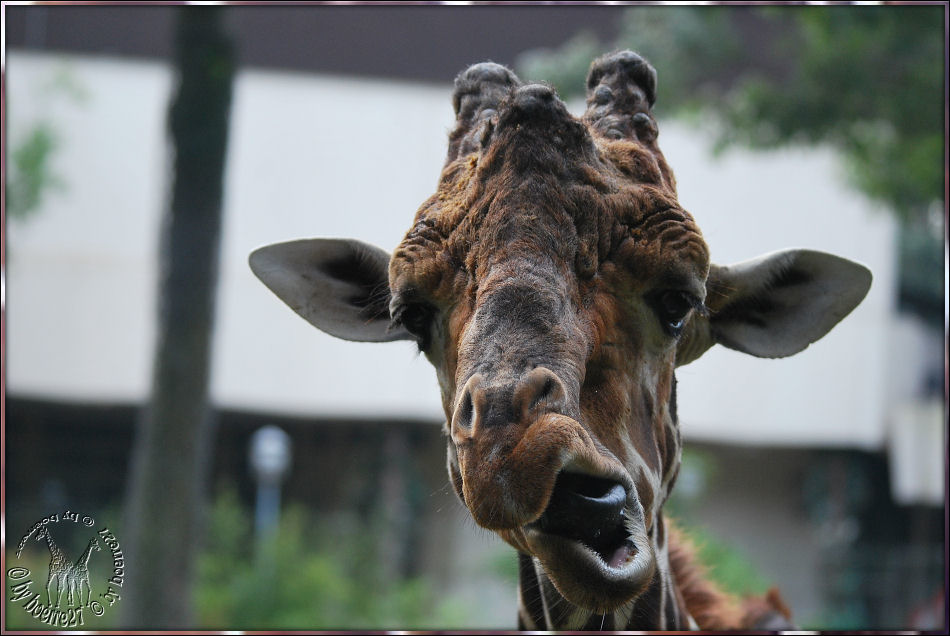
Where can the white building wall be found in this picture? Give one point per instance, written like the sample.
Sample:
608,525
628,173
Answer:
330,156
81,271
314,156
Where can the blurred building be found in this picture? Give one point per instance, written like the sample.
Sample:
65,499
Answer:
826,469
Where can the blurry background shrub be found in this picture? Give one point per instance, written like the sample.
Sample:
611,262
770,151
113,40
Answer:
292,581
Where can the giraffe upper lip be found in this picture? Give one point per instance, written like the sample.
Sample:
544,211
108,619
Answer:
588,509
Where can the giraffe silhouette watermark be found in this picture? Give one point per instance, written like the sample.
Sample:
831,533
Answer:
68,589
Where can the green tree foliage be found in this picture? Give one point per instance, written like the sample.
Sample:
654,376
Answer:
32,177
868,81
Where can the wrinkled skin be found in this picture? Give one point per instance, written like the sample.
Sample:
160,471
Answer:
555,283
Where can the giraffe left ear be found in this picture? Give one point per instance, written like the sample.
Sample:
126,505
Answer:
340,286
775,305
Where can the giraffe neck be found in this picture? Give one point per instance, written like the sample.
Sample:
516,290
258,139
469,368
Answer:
54,551
541,607
84,559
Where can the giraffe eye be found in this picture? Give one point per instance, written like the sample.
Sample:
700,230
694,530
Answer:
416,318
672,308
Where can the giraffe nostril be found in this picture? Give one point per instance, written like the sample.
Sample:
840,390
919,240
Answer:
471,400
540,389
546,391
463,418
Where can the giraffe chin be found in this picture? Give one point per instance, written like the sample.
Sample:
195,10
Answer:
595,582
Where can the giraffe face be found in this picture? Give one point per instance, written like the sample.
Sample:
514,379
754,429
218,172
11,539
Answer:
554,282
548,282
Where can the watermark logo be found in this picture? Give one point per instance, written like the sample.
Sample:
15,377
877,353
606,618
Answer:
59,598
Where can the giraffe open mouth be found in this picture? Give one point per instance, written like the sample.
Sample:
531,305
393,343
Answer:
591,540
590,510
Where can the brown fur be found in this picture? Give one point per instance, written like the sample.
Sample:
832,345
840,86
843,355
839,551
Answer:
712,608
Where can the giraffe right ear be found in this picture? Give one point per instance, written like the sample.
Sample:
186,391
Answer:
340,286
775,305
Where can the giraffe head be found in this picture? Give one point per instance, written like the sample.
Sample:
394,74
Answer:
555,283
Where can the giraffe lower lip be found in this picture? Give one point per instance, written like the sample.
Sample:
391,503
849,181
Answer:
588,579
613,556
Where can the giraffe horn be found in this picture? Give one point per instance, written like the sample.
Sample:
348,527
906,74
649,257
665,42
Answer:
621,90
478,91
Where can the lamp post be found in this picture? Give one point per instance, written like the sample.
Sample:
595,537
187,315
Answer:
270,459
